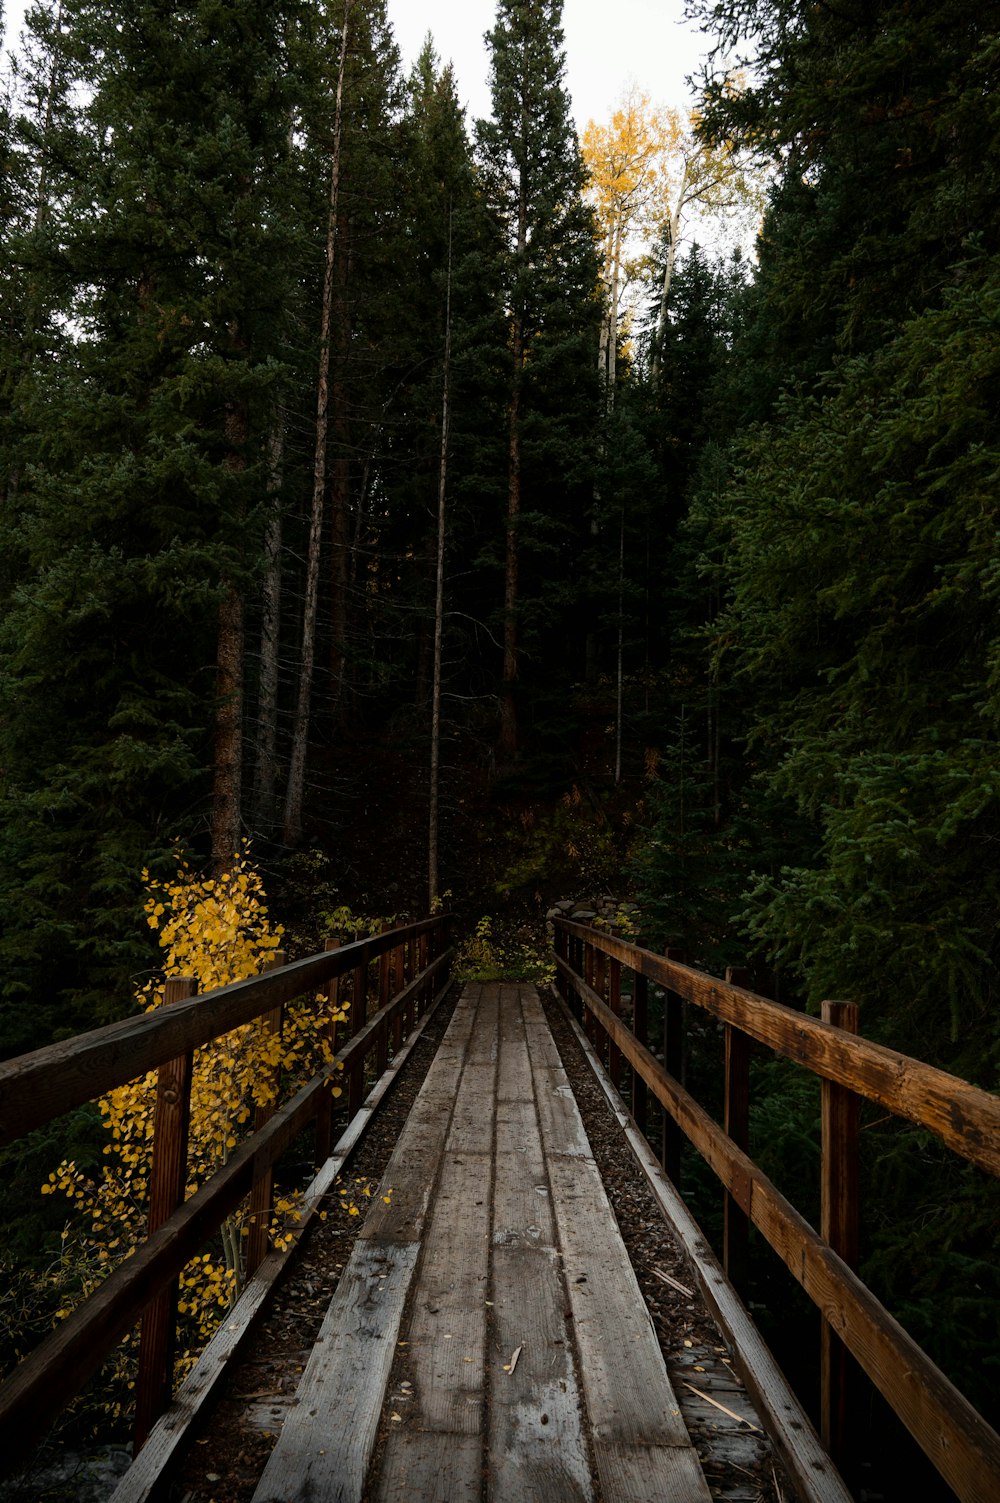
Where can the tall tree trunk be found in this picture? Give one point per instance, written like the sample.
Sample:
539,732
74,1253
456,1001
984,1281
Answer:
619,676
228,752
673,234
432,836
508,703
266,766
300,734
340,488
227,790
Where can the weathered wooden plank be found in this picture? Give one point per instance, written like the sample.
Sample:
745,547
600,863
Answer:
413,1167
650,1474
964,1117
514,1082
628,1394
472,1118
963,1447
430,1467
813,1473
522,1204
169,1436
446,1333
326,1442
538,1452
562,1129
42,1085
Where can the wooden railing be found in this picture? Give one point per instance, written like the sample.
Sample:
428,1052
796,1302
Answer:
589,964
404,968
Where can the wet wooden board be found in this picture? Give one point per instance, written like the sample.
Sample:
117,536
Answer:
431,1468
446,1332
326,1442
538,1452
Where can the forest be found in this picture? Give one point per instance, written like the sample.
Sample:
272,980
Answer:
419,501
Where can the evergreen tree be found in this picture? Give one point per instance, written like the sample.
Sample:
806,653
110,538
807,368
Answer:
136,527
533,178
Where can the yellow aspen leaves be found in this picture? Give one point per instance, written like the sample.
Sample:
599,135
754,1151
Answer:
217,930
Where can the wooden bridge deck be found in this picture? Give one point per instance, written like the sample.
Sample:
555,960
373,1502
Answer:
488,1322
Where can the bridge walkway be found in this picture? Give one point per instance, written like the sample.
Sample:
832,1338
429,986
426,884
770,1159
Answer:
489,1323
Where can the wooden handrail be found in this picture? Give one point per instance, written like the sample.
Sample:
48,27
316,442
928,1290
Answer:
38,1087
964,1117
963,1447
49,1377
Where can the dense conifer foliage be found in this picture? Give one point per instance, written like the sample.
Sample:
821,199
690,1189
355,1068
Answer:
722,567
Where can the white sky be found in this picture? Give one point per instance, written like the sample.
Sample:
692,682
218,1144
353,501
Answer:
608,44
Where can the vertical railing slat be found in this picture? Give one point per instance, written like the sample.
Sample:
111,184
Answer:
839,1216
262,1194
736,1121
167,1183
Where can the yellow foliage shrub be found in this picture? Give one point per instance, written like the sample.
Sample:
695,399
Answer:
216,930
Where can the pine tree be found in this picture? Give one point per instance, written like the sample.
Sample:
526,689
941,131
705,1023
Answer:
533,177
137,527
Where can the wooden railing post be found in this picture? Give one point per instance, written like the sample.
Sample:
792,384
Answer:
358,1019
167,1181
673,1063
736,1122
560,946
324,1115
399,1017
382,1046
640,1027
589,970
615,1003
599,981
839,1207
262,1194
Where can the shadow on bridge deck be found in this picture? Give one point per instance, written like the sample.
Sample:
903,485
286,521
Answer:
489,1316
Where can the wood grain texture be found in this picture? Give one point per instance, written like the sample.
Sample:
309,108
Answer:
325,1444
538,1451
628,1394
170,1436
430,1467
964,1448
42,1085
964,1117
522,1204
446,1332
650,1474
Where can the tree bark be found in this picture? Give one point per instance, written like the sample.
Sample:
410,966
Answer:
432,834
228,759
300,735
673,234
266,767
508,703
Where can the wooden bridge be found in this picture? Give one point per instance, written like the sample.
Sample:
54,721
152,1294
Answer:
487,1336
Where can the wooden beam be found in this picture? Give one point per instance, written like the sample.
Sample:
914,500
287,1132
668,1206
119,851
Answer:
35,1088
963,1447
813,1474
964,1117
839,1224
